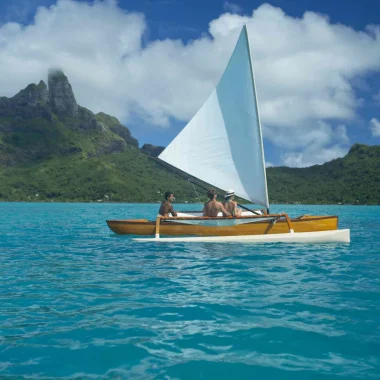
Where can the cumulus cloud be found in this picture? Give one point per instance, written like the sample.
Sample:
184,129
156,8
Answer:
375,127
322,144
313,156
89,42
341,134
304,68
228,6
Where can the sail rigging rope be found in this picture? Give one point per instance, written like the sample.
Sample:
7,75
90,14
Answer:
196,192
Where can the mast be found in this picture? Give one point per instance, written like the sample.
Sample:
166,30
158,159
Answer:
258,116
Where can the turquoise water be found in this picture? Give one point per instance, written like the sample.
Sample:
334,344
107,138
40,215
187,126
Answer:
78,302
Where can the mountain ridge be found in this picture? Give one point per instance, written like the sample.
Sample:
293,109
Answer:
53,147
42,121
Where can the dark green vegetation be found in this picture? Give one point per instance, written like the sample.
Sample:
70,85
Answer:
353,179
129,176
52,149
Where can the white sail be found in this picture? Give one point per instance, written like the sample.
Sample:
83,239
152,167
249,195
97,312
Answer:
222,144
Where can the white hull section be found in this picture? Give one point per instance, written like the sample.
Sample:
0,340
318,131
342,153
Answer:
335,236
217,222
195,215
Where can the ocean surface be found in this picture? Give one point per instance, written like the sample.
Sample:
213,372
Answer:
79,302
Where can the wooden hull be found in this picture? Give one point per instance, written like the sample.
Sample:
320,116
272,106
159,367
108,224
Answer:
175,227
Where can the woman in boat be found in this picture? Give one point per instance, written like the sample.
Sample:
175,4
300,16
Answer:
213,207
230,205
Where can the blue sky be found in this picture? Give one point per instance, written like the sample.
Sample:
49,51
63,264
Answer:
189,22
175,18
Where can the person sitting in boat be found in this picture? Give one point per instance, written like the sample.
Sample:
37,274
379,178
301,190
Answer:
166,207
230,205
213,207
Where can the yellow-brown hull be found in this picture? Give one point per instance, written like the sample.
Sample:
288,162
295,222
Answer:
176,228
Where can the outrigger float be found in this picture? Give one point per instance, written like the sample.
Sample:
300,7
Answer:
222,145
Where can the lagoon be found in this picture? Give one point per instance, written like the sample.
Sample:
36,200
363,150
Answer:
79,302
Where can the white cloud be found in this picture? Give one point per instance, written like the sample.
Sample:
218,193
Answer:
376,98
313,156
341,134
321,144
228,6
304,67
375,127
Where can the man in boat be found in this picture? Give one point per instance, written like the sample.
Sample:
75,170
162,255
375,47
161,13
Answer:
230,205
166,206
213,207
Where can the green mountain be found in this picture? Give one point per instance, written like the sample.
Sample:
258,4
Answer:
353,179
52,149
40,123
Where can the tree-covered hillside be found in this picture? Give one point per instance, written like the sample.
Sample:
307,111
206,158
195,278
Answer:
52,149
129,176
353,179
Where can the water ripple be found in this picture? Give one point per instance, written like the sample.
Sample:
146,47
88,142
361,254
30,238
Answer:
78,302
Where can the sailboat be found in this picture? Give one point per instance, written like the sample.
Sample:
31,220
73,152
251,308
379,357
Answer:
222,145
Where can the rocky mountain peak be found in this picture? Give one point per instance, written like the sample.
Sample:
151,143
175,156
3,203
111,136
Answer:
32,96
116,127
152,150
61,95
32,101
41,121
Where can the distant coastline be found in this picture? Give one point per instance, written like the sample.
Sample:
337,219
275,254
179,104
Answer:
187,203
54,150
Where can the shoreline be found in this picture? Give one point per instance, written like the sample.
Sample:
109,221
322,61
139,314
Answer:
190,203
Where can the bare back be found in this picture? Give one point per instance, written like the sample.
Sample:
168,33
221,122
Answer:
166,208
213,207
232,208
